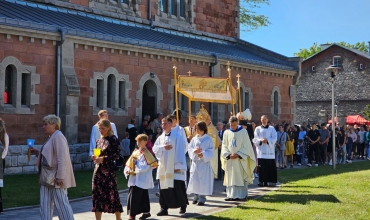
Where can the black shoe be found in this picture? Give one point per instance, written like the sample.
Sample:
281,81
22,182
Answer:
145,216
195,202
291,166
182,210
260,184
200,203
157,194
229,199
162,212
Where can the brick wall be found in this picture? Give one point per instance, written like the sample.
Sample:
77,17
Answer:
216,17
21,127
262,86
89,61
351,84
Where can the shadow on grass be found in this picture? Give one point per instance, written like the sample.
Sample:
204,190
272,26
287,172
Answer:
299,199
302,186
292,191
228,218
292,175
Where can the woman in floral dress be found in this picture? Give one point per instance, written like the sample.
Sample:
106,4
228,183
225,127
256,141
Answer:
104,186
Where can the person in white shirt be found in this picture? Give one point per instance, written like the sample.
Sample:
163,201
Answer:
139,166
201,150
361,146
171,172
265,138
95,134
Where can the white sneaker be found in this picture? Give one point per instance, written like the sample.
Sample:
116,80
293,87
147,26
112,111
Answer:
309,165
299,164
331,163
347,161
316,165
256,175
350,161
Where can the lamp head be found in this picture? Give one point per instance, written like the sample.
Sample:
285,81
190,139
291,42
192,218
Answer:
333,70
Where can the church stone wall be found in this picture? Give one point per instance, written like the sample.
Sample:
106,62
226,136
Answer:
314,88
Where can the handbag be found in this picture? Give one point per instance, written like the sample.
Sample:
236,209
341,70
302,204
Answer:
47,176
47,173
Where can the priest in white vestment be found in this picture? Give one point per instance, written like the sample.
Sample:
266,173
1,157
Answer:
239,159
171,172
95,133
201,151
265,137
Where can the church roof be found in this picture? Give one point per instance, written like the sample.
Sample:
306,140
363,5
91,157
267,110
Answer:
358,52
43,17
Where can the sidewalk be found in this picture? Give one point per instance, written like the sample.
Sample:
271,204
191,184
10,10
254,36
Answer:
82,207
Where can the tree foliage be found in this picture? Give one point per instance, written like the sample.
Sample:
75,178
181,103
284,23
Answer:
366,112
315,48
249,17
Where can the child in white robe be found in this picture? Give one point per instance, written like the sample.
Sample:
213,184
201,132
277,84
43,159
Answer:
201,150
139,166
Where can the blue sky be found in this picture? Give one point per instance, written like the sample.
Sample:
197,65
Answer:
298,24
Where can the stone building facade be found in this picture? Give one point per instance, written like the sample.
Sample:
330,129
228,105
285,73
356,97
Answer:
351,91
118,55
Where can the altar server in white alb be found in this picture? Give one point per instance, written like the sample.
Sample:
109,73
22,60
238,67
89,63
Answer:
139,166
239,161
265,138
95,133
171,172
201,150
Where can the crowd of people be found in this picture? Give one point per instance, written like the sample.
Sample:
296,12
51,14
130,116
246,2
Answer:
312,144
186,159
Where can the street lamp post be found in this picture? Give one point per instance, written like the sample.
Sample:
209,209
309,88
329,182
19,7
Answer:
333,71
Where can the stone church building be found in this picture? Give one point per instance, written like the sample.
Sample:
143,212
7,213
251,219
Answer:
314,88
75,57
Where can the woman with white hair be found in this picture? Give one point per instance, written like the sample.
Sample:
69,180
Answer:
55,172
4,143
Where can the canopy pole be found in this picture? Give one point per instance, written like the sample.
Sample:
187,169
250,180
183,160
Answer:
232,97
189,106
175,82
239,96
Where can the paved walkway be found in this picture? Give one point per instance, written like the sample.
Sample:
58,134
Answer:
82,207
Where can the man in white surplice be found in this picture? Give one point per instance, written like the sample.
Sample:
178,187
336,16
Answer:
171,172
239,159
180,130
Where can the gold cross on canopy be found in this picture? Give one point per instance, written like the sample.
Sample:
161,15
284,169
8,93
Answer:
189,72
202,105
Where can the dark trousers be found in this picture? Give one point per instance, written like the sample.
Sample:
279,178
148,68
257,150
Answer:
360,149
220,172
322,152
138,201
175,197
311,150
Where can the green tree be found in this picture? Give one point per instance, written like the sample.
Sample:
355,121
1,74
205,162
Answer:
315,48
366,112
249,17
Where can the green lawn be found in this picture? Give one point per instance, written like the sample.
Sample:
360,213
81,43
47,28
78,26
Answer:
23,190
311,193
